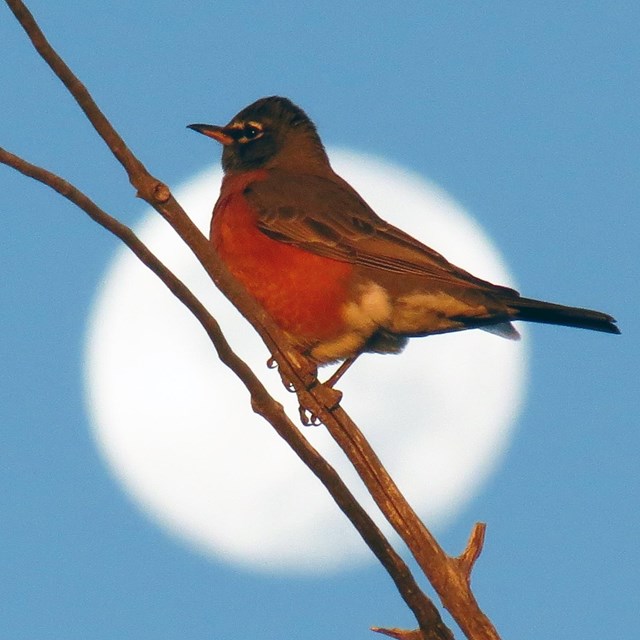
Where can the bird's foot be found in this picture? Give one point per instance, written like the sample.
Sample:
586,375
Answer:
329,399
307,372
307,380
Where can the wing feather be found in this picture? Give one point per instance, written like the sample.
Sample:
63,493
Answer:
331,219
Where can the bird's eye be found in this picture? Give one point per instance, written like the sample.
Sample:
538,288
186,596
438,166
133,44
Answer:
250,131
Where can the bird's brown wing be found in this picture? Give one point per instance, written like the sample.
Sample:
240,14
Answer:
329,218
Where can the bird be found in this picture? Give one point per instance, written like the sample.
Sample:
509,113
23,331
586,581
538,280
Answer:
335,277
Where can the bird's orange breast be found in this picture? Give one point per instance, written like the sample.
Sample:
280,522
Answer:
304,293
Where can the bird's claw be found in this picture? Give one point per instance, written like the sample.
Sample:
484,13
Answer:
306,370
308,418
288,385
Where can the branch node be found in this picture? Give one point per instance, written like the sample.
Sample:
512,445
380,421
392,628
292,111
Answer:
161,193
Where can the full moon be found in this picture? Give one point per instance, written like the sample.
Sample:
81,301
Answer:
176,429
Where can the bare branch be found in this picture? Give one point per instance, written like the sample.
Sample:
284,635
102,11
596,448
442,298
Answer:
449,576
117,145
426,613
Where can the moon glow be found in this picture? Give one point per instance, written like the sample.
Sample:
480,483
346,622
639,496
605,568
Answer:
176,429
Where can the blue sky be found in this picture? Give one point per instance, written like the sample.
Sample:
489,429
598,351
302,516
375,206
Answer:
525,112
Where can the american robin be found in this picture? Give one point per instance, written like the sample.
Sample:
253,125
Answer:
332,274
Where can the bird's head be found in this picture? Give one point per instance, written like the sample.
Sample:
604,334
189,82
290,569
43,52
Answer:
270,133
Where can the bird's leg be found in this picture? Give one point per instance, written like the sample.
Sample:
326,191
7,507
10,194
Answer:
340,371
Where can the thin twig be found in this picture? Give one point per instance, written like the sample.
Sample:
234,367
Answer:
399,634
472,551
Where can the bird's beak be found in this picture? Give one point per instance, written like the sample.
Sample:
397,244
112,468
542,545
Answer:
213,131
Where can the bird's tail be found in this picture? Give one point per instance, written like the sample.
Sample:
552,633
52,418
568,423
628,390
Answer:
550,313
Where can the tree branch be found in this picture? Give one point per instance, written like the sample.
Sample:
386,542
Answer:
264,404
449,576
